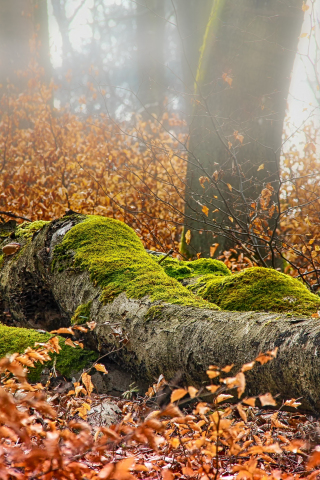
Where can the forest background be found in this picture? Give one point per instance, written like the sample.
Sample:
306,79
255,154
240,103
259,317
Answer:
102,112
169,116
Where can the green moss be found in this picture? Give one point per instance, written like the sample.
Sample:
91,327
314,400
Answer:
154,312
27,229
259,289
82,314
1,260
115,258
180,269
70,359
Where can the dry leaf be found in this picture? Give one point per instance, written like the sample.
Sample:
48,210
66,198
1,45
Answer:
261,167
205,210
86,380
100,367
267,399
222,397
250,401
177,394
192,392
188,237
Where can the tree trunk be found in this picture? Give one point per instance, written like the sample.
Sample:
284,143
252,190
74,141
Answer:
21,22
151,70
150,337
240,101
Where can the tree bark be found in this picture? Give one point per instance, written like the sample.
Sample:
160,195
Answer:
241,91
164,340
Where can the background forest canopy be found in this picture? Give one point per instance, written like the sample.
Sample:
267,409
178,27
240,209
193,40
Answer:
169,115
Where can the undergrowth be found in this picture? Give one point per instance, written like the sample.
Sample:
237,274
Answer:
46,435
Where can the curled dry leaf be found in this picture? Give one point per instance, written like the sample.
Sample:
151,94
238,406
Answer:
101,368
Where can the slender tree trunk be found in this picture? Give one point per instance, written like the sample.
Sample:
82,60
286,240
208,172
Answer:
23,22
35,292
241,89
150,35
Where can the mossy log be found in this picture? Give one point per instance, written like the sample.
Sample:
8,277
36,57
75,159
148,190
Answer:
82,268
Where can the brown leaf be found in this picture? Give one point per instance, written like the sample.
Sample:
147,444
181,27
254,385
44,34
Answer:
267,399
86,380
100,367
177,394
250,401
63,330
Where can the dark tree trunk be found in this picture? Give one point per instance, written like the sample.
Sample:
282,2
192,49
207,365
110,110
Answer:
170,338
242,85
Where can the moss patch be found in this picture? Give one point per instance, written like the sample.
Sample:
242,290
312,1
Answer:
70,359
115,258
259,289
1,260
27,229
154,312
82,314
180,269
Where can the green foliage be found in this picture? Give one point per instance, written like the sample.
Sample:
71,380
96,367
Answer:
70,359
1,260
180,269
259,289
115,258
82,314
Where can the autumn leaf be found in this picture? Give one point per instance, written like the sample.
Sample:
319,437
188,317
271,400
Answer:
86,380
178,394
267,399
213,249
305,7
70,343
227,79
63,330
237,136
192,392
261,167
229,186
100,367
205,210
188,237
222,397
250,401
202,181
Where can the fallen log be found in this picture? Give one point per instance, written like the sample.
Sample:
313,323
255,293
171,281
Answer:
81,268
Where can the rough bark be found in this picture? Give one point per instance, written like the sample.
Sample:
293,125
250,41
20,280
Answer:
251,44
168,338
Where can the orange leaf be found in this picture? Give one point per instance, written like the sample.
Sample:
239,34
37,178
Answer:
100,367
205,210
267,399
188,237
177,394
